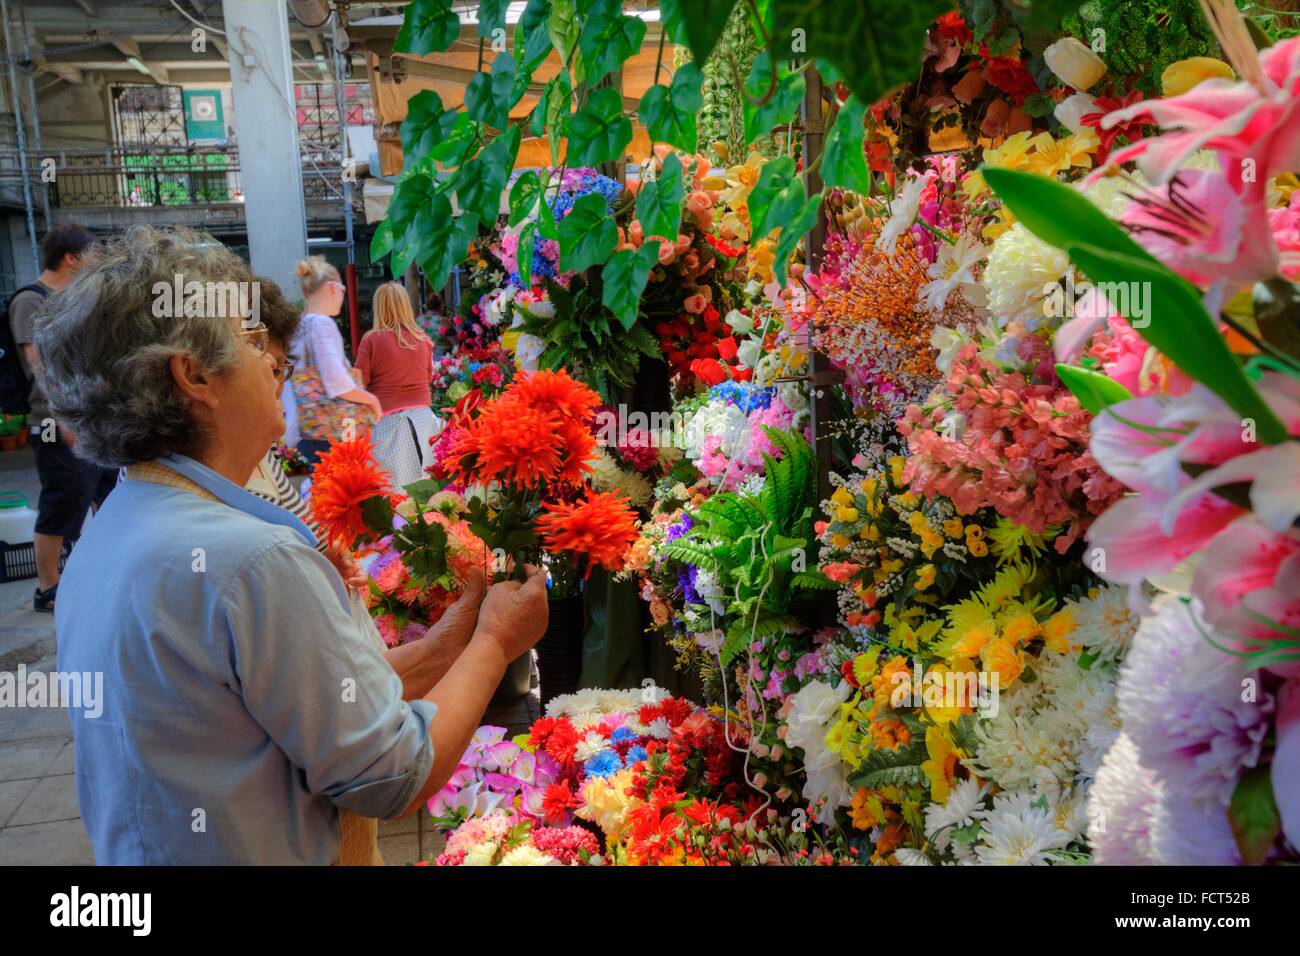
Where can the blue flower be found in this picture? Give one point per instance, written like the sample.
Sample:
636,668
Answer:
743,395
623,733
603,764
635,754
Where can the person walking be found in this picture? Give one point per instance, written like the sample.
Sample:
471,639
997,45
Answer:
70,486
324,378
395,359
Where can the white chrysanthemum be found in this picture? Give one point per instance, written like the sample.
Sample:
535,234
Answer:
965,806
1120,806
659,729
813,708
1180,700
481,854
1017,833
1104,623
590,745
902,213
528,855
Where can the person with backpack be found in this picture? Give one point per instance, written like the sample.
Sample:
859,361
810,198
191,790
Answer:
69,485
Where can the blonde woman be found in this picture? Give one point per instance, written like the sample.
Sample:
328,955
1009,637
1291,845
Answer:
319,344
395,359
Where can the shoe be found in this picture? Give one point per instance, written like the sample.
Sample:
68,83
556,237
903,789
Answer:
44,600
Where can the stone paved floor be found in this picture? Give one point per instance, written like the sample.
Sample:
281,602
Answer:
39,819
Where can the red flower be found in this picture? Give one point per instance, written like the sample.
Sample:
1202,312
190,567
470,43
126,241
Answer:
727,348
1131,131
557,801
1010,75
951,26
731,252
709,371
345,477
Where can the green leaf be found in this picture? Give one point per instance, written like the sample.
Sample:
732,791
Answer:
671,113
1060,215
1094,390
1182,331
532,41
407,216
491,16
775,177
780,107
426,125
523,196
451,152
377,513
429,26
844,163
876,44
1253,816
546,226
698,27
488,96
563,27
624,278
587,234
381,243
599,132
483,178
524,254
608,38
659,202
448,244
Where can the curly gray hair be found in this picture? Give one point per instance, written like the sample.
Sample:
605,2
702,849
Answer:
105,353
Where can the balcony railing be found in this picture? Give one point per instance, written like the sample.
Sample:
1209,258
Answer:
120,177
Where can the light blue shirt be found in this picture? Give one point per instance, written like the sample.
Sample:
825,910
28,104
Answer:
242,706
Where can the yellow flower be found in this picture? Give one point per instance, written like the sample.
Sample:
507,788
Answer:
908,499
974,532
952,527
1002,658
925,577
942,765
837,738
847,515
977,547
869,532
950,710
1012,154
917,522
1180,77
896,465
930,543
842,497
1020,628
839,541
1057,630
973,641
865,665
867,811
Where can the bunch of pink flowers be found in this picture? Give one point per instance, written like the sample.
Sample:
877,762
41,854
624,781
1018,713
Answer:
993,439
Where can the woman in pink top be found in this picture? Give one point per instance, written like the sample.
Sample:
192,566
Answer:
395,359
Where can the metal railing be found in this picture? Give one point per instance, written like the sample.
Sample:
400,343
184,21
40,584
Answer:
123,176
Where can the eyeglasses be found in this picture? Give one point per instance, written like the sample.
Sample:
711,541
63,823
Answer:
260,337
284,371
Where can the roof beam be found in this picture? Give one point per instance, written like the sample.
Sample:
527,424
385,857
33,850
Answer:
130,48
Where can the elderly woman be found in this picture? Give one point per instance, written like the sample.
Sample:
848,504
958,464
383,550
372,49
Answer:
242,709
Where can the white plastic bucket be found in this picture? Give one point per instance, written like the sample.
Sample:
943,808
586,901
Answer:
17,519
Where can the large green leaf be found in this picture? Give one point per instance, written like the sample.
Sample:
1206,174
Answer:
1253,815
524,254
697,24
381,243
491,16
458,144
563,27
624,278
1059,214
523,196
1093,389
429,26
659,201
411,213
587,234
447,242
875,44
488,96
774,107
426,125
796,219
599,132
844,162
483,178
776,179
532,41
1181,329
608,38
671,113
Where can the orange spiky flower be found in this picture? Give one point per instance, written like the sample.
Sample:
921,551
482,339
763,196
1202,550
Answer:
345,477
602,527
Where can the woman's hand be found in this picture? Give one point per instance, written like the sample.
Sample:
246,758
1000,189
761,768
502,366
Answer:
348,568
456,626
514,615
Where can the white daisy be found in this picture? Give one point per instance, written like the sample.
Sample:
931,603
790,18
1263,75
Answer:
1104,623
902,213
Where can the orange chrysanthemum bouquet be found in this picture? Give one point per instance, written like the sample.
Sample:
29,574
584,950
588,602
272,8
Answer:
422,549
527,452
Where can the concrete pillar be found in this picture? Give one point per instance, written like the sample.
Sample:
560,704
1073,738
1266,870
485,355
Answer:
266,129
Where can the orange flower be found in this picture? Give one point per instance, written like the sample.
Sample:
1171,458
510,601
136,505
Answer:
556,390
602,527
346,476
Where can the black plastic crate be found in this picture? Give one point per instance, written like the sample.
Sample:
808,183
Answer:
18,561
